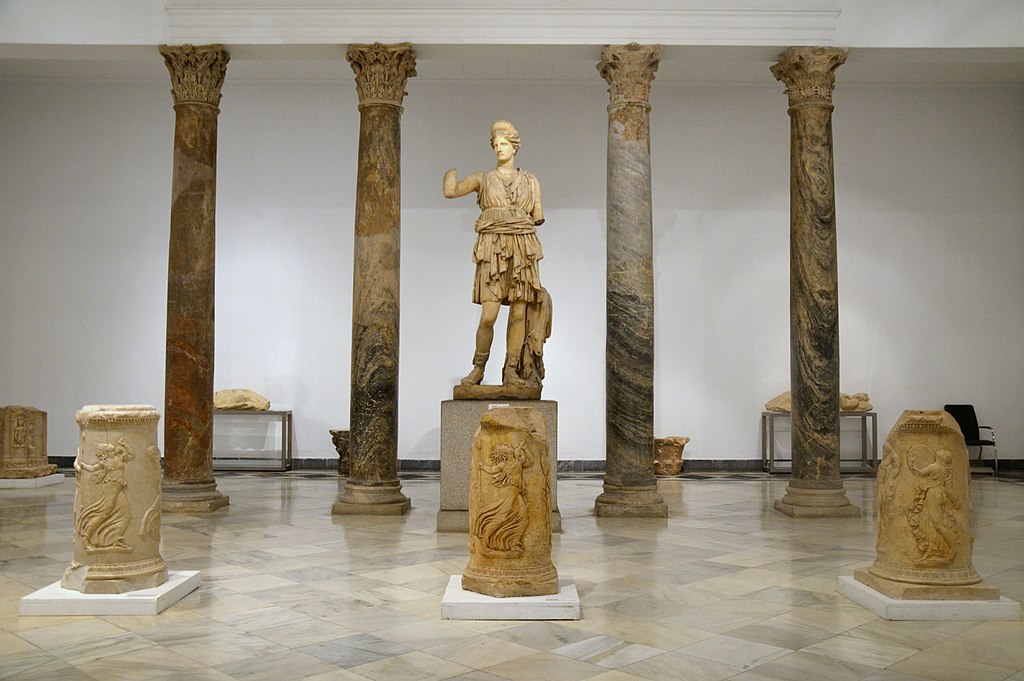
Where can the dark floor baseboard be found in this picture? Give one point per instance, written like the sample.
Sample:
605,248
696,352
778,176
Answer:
566,465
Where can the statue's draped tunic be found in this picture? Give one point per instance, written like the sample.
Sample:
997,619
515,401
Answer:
507,250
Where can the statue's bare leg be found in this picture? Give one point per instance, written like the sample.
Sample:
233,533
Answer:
484,337
514,338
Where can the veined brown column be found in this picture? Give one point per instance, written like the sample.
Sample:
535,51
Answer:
630,489
197,75
815,488
372,487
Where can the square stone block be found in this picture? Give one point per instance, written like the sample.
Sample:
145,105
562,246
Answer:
459,604
58,601
931,610
459,421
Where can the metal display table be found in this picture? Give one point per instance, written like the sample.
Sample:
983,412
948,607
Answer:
252,440
868,462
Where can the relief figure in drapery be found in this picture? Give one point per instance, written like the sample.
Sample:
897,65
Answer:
501,524
103,521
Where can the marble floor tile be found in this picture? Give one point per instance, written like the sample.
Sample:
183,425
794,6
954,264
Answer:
943,668
545,667
481,651
861,651
289,664
291,591
414,666
739,652
677,665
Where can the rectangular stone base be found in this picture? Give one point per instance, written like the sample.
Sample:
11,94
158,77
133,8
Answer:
55,600
459,421
30,483
931,610
459,604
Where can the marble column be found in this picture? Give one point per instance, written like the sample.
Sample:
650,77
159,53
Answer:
815,488
372,487
197,74
630,489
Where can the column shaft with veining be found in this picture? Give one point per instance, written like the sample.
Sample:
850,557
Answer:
815,488
197,75
373,486
630,487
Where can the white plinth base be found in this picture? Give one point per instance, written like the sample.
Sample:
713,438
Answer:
459,604
55,600
896,609
29,483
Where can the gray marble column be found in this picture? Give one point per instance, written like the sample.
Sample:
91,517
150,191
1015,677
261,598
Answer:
197,75
373,487
630,489
815,488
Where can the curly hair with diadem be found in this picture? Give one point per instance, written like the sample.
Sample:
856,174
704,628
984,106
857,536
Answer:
505,129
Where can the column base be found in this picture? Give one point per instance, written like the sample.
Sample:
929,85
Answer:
630,502
801,502
188,497
358,499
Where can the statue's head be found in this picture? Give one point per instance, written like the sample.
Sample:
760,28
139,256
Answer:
507,131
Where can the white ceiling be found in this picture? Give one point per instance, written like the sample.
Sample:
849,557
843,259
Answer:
680,64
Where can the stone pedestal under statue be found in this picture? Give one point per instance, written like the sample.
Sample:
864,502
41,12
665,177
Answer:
459,422
117,503
23,443
510,507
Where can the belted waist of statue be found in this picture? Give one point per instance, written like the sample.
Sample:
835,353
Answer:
504,220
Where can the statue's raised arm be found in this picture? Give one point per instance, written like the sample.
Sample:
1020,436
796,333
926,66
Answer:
507,257
454,188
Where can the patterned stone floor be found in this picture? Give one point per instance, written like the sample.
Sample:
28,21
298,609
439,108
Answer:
724,589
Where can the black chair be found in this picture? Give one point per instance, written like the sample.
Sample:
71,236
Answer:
967,419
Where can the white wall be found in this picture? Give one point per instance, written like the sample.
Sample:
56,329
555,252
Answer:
931,239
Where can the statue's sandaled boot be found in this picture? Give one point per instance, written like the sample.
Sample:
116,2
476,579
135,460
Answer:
477,374
510,373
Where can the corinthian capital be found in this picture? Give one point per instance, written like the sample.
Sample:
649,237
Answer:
809,74
197,73
382,71
629,70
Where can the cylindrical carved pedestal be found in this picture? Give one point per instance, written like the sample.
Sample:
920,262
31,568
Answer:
117,503
924,548
510,507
